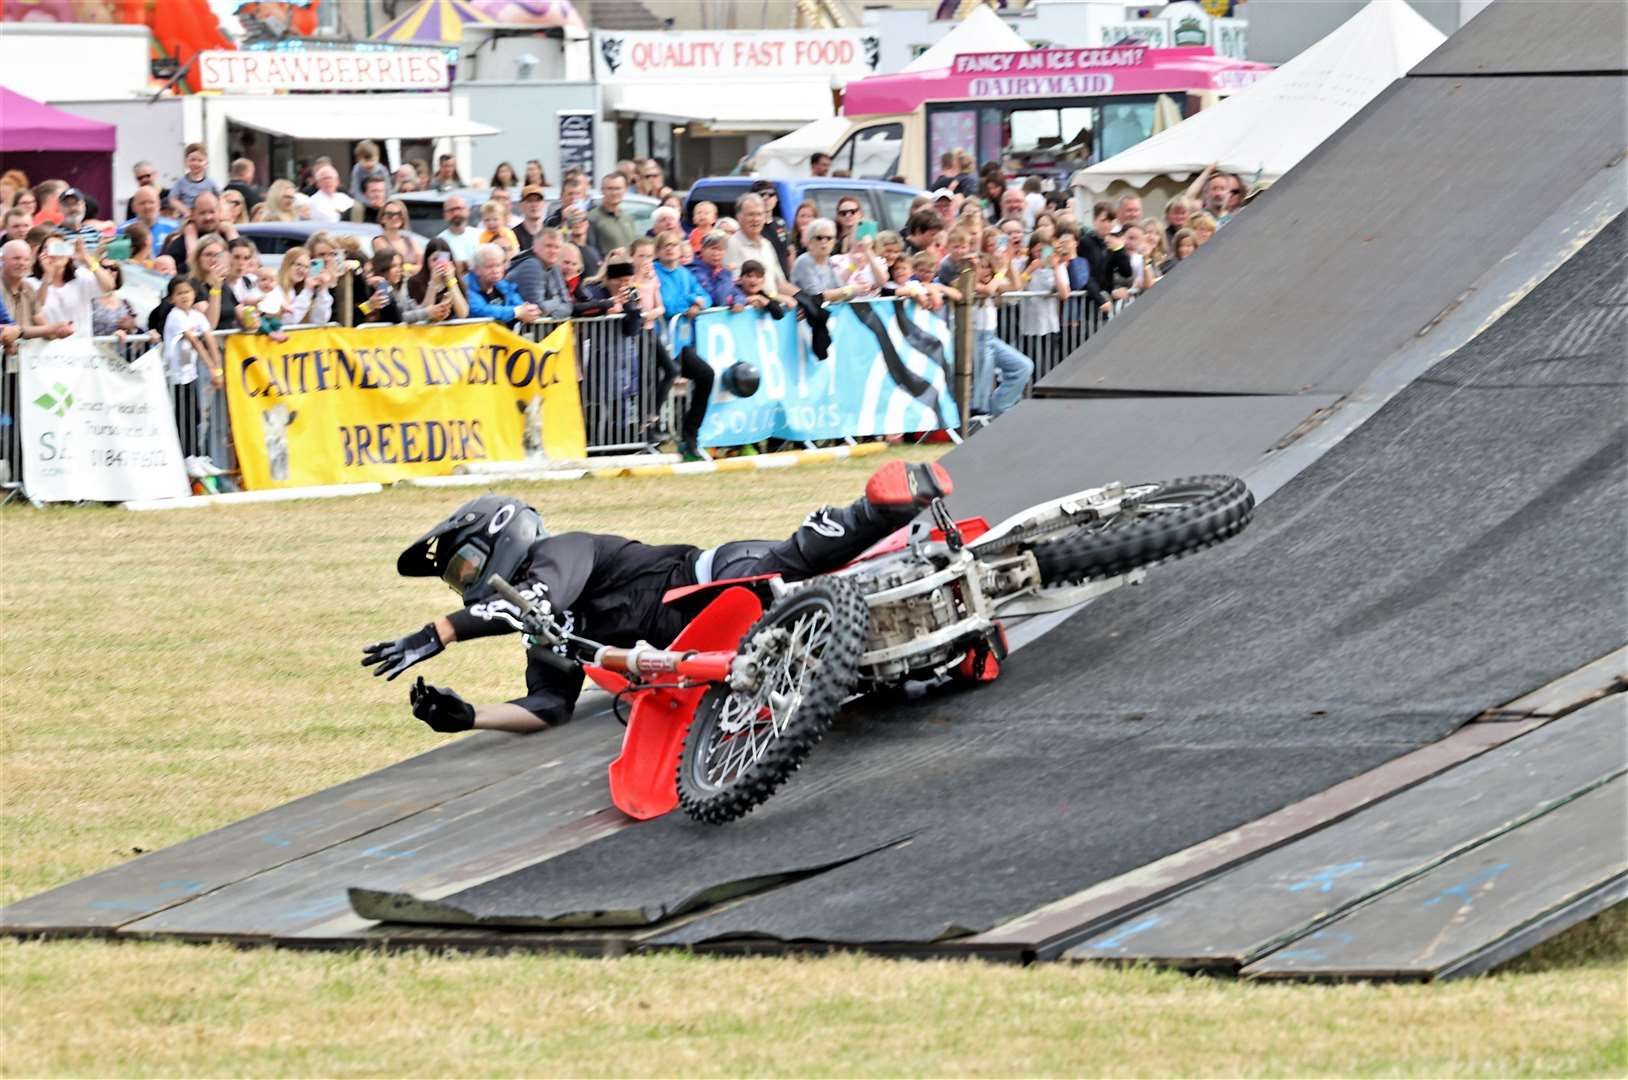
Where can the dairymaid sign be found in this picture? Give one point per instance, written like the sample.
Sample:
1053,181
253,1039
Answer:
244,72
1053,73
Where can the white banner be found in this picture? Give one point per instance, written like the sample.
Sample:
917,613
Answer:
243,71
94,427
713,55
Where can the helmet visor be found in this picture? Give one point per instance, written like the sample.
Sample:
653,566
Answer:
463,569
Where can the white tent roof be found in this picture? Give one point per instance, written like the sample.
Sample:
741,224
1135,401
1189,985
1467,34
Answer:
1261,132
980,31
788,155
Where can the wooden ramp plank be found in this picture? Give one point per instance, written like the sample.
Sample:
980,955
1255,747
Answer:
1237,916
1588,683
123,894
501,828
1440,921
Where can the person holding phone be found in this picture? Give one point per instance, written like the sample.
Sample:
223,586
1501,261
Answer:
862,268
435,286
70,282
306,285
1039,314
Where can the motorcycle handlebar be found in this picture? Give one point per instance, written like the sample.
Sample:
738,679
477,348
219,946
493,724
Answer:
534,620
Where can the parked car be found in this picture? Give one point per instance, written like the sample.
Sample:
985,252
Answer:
885,203
424,212
272,238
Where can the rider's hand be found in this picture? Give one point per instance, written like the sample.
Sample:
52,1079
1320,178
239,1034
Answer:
442,710
391,658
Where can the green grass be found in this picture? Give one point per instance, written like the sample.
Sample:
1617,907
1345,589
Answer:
162,675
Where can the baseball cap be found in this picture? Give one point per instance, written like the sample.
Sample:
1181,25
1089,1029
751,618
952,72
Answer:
760,185
532,189
943,193
71,193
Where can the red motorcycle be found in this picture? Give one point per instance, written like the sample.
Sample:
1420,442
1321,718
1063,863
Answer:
722,716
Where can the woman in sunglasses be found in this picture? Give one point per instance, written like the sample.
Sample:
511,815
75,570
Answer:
393,220
848,218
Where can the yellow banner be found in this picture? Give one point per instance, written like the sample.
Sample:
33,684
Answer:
342,406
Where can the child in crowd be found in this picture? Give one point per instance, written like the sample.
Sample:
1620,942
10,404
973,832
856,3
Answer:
994,356
962,243
1185,244
901,279
367,164
1203,227
186,190
923,268
644,279
750,280
703,219
187,344
494,220
266,307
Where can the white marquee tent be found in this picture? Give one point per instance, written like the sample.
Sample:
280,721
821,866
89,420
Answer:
1260,133
980,31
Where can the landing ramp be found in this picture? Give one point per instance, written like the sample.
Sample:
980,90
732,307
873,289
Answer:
1457,550
1363,229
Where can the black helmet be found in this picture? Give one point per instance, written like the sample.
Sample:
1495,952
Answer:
489,535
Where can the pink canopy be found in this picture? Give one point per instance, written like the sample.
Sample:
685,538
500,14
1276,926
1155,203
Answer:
1114,69
47,144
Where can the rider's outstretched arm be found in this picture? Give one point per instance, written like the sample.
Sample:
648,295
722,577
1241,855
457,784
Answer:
507,716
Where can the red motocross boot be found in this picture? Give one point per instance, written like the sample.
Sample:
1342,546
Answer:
899,483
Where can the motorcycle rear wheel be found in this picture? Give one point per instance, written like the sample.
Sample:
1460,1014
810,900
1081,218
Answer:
742,746
1157,521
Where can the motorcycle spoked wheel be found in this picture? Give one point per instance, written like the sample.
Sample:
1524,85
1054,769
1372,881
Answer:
742,746
1157,521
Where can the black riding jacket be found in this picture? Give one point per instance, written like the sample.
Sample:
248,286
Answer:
606,588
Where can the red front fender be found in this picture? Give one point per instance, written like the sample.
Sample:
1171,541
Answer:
644,777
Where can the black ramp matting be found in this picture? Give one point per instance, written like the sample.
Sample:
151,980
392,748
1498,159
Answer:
165,878
534,895
497,829
1348,227
1046,448
1520,37
1460,549
1442,919
1243,913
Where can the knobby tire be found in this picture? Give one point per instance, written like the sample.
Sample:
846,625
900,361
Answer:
827,686
1210,509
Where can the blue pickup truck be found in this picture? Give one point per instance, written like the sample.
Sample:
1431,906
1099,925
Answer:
885,203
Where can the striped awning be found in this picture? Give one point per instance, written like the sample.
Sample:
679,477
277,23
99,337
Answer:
432,22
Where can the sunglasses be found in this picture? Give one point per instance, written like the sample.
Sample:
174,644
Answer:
848,211
823,236
391,213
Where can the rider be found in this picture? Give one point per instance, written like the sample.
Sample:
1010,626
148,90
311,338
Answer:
606,588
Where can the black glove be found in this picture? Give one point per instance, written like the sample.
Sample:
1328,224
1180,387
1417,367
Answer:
394,657
443,710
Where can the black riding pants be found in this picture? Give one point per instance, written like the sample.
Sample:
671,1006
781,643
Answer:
693,368
827,539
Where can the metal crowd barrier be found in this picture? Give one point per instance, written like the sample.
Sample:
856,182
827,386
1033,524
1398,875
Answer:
617,375
1077,317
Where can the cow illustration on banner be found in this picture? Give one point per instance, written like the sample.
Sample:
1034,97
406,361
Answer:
888,371
341,406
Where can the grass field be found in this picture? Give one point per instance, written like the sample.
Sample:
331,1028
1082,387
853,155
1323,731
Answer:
165,674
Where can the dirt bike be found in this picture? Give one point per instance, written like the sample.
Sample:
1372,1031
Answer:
727,712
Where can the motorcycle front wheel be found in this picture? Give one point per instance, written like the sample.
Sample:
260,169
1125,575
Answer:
1157,521
743,744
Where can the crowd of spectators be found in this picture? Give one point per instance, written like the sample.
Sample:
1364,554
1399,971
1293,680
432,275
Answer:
1022,258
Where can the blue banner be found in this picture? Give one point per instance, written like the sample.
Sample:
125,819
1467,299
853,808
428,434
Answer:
889,370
